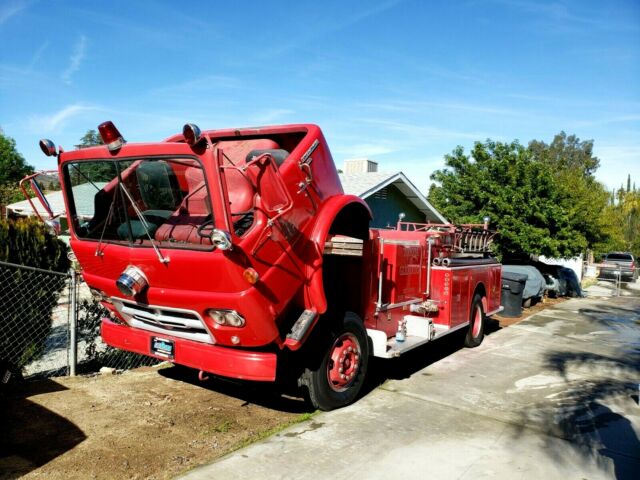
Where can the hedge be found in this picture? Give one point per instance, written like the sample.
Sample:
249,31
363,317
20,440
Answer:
27,298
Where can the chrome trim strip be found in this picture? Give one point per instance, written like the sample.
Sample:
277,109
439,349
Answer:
389,306
461,267
408,243
497,310
159,322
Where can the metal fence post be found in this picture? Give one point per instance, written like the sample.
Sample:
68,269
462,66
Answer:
73,324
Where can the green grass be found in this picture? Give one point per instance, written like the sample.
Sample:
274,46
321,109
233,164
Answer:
305,417
224,427
587,282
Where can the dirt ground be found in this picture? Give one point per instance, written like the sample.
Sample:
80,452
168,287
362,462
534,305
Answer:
147,423
154,423
527,312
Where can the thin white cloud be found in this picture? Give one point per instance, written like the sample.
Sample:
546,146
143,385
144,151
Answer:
420,106
315,30
616,161
606,121
55,121
368,150
205,83
563,17
78,55
11,9
421,131
272,115
37,55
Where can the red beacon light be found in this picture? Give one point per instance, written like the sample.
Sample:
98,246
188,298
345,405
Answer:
111,136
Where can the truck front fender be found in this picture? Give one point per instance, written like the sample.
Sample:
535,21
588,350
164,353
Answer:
342,214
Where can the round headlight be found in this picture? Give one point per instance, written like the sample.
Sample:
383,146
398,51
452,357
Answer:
132,281
233,319
217,317
221,239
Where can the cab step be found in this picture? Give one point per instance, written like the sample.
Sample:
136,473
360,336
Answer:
300,330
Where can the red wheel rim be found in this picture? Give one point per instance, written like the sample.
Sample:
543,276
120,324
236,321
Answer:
344,362
477,321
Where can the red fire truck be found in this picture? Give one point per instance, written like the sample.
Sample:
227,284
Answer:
236,252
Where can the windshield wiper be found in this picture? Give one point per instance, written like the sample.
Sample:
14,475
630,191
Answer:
99,252
144,223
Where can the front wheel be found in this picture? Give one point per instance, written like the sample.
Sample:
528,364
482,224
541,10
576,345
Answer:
339,376
475,333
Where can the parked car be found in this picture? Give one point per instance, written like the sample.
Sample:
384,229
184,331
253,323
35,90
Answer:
536,284
561,281
621,264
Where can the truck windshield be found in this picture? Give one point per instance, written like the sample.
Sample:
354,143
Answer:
625,257
107,199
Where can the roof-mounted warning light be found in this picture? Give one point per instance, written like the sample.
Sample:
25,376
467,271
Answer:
191,133
111,136
48,147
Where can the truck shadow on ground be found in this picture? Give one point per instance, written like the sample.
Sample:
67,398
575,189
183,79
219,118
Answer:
282,397
583,413
411,362
285,396
32,435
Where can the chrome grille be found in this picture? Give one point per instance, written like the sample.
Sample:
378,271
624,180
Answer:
169,321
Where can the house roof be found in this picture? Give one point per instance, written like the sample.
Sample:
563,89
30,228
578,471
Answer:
361,184
366,184
83,195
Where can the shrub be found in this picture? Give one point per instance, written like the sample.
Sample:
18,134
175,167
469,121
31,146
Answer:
27,298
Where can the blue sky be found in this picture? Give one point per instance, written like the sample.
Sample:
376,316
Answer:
399,81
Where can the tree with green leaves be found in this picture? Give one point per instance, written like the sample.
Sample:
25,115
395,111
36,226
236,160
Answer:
522,191
573,165
90,139
13,166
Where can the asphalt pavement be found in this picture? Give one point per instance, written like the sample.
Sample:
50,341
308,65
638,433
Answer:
552,397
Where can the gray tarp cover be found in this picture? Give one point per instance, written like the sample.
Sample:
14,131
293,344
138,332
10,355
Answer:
535,281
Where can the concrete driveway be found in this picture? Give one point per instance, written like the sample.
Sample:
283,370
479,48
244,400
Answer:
553,397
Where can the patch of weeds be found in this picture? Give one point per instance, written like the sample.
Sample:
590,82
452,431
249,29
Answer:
304,417
588,282
224,427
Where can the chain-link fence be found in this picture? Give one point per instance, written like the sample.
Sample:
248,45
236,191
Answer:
34,321
93,353
50,326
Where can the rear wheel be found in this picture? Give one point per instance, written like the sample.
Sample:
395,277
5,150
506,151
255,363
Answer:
337,379
475,333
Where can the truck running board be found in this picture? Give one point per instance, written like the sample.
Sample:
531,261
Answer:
342,245
300,330
420,330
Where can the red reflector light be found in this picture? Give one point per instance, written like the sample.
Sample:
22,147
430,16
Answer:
110,135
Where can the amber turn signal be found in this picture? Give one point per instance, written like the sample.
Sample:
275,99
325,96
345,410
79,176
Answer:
251,276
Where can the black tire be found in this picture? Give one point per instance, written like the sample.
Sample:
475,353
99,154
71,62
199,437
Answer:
475,332
331,384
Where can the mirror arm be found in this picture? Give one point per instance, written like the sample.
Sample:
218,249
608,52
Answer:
39,194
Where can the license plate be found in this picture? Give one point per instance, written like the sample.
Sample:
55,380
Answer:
162,347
